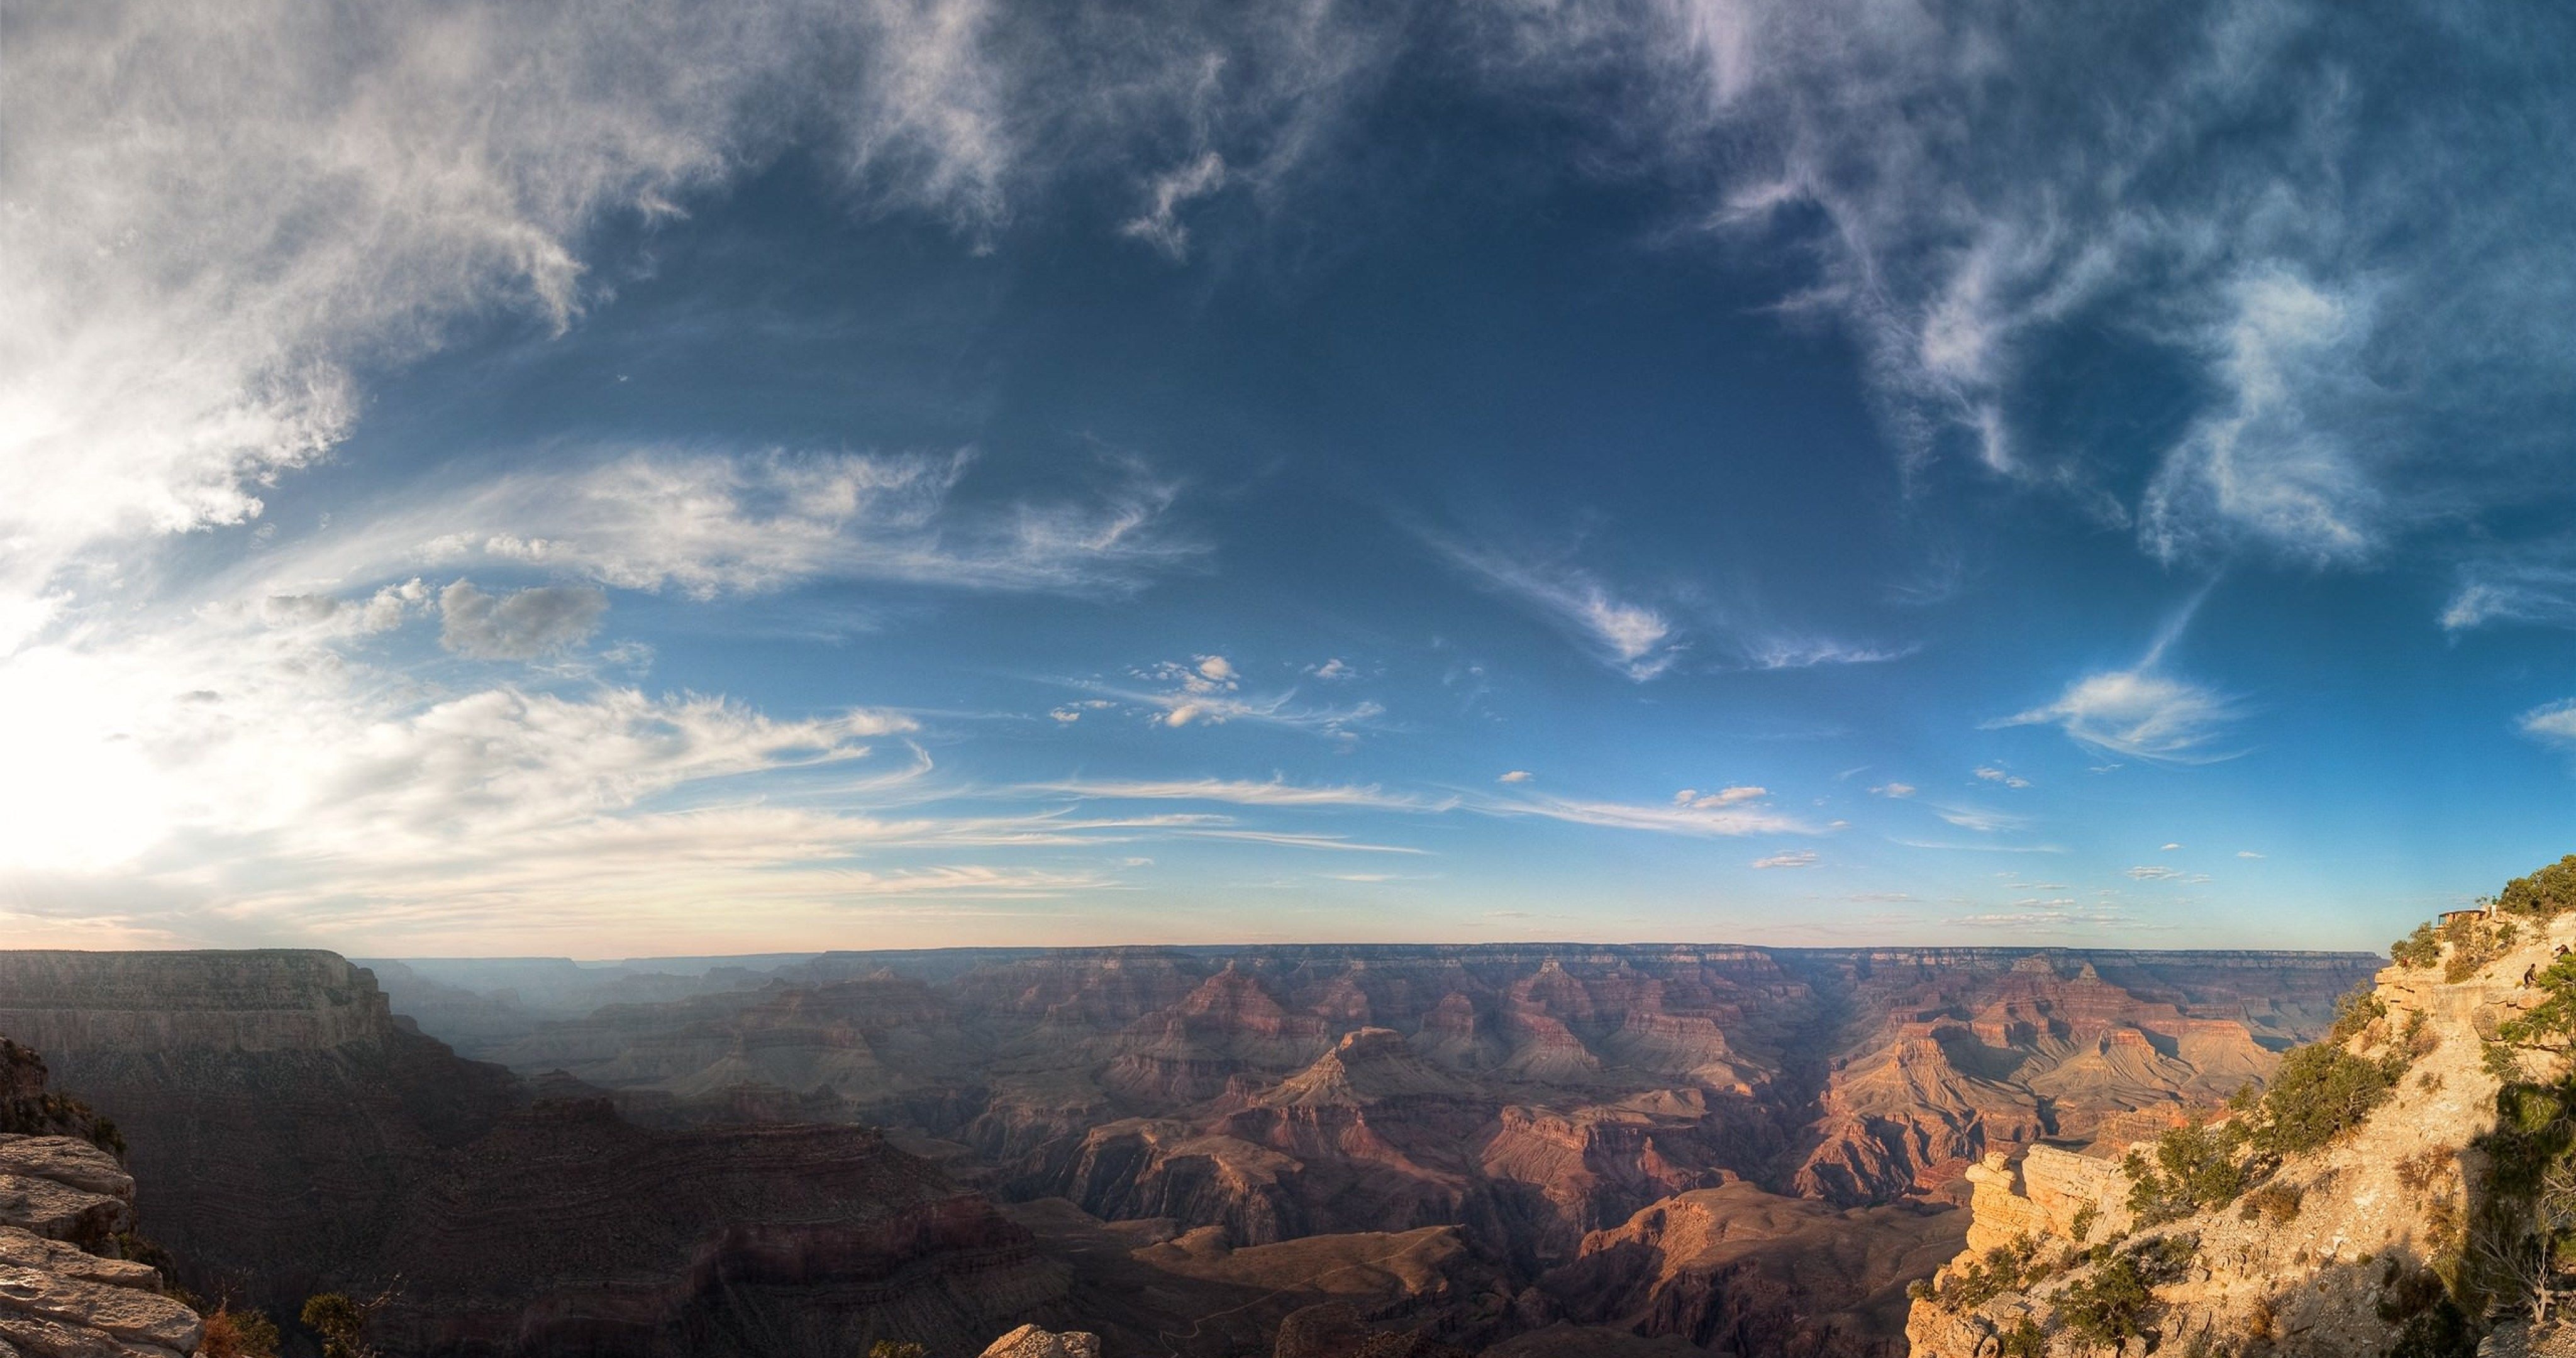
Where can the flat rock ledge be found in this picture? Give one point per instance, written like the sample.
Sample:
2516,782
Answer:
1029,1341
57,1299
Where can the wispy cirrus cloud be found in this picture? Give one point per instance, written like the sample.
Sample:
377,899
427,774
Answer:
1978,818
1239,792
1727,812
1637,639
1969,185
2551,724
705,524
2141,711
1208,690
2138,713
434,174
2536,588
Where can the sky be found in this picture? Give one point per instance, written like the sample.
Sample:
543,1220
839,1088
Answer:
610,479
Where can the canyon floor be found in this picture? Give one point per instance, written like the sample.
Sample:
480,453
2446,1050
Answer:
1504,1150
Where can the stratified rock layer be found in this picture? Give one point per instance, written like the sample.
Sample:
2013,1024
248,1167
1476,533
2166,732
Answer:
63,1203
2330,1256
296,1138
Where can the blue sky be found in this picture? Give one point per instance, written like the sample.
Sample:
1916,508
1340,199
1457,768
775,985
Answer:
535,478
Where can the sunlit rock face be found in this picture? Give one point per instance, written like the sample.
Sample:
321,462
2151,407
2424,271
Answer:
2337,1250
66,1211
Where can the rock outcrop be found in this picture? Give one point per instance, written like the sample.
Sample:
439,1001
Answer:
66,1206
1740,1270
1029,1341
2344,1247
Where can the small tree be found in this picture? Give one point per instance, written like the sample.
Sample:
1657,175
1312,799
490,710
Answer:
237,1334
2550,891
897,1348
2549,1025
2195,1169
2320,1092
2420,949
342,1323
2111,1306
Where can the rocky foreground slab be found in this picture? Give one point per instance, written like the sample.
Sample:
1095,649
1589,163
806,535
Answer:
58,1299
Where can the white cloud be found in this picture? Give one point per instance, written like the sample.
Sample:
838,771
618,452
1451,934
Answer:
706,524
1515,776
1735,812
1160,224
1791,858
2247,853
1978,818
2538,590
1276,792
519,625
245,206
2551,723
1730,820
1726,796
2269,464
1286,840
1637,640
1332,670
1208,690
1798,653
2138,713
1970,183
2170,848
1991,774
1894,790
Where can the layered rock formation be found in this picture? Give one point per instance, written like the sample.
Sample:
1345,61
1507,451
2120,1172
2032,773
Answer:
2373,1242
1740,1270
66,1206
1466,1147
1535,1097
296,1138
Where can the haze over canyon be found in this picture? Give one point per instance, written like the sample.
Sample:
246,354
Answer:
1508,1149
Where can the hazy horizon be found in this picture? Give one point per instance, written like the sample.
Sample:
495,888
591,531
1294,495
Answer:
543,480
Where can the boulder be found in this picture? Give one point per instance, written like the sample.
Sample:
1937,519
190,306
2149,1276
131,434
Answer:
1029,1341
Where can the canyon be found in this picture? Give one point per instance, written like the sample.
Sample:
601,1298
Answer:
1498,1149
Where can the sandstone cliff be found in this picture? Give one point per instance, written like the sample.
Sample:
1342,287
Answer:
2363,1211
66,1209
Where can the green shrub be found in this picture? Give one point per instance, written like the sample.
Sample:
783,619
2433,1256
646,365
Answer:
2023,1340
2082,1226
2004,1268
2550,891
2419,950
2354,1013
2110,1306
2474,943
2550,1024
897,1348
2166,1258
2320,1093
341,1323
2195,1169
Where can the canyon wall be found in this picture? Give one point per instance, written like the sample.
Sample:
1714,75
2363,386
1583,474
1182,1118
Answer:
294,1137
